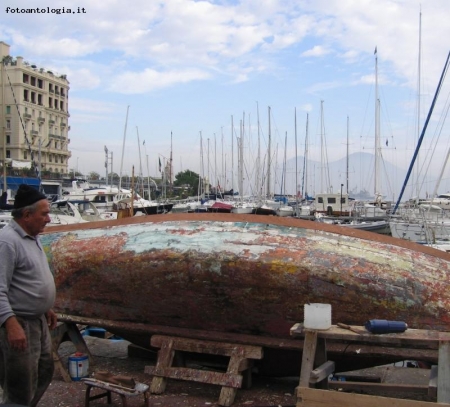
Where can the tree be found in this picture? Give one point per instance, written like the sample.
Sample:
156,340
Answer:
188,179
94,176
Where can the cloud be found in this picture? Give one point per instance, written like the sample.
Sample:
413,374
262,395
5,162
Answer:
316,51
150,79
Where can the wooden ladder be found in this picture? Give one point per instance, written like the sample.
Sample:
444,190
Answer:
237,374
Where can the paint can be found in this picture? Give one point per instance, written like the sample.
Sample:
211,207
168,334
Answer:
317,316
78,366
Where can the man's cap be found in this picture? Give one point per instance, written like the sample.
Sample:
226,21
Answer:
26,196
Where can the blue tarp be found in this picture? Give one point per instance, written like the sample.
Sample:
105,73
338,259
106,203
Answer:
14,182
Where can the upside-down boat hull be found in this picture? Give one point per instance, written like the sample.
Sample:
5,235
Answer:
243,274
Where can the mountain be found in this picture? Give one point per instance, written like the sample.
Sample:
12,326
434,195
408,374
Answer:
360,177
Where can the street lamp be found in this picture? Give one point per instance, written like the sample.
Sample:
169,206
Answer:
342,185
77,165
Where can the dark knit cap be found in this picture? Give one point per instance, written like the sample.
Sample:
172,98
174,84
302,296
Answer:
26,196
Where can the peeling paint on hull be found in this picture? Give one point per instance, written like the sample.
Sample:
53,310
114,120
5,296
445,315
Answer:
243,274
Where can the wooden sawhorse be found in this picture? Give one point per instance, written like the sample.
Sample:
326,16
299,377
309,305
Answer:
239,367
63,332
315,367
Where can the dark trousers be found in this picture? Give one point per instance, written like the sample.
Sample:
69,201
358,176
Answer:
25,375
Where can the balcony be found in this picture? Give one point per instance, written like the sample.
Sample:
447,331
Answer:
51,122
27,116
34,132
41,120
63,124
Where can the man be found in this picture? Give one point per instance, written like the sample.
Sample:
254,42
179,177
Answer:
27,294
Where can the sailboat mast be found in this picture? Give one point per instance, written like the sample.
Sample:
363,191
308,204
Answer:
296,160
305,161
377,189
268,158
258,158
419,63
348,127
123,149
232,153
170,164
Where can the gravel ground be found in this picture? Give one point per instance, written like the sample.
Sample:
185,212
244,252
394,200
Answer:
112,356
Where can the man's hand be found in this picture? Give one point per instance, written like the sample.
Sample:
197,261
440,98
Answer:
52,319
15,333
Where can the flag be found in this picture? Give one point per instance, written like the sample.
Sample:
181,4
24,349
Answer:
159,164
375,52
387,142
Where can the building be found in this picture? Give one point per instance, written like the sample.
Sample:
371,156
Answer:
34,116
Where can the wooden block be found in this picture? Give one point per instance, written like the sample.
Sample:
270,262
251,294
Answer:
432,384
322,372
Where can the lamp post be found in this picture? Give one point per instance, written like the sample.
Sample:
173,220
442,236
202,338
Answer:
77,166
342,185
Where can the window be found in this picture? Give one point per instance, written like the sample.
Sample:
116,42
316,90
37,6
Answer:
50,102
331,200
25,78
61,105
33,81
40,84
39,99
50,157
25,95
320,200
25,155
8,124
8,153
33,97
8,109
8,139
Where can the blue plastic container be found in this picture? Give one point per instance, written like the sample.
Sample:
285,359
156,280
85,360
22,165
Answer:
383,326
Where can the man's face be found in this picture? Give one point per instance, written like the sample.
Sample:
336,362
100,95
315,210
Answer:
35,222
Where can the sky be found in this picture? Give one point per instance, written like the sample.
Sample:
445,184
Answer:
150,79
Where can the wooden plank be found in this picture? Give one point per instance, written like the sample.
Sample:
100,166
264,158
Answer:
432,384
309,353
379,387
443,380
325,398
411,337
208,347
322,372
196,375
333,347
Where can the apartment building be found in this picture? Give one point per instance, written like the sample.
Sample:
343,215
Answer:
34,115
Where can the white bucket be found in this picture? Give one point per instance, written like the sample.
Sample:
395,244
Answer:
78,366
317,316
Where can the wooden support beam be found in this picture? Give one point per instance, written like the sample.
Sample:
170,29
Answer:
443,380
307,397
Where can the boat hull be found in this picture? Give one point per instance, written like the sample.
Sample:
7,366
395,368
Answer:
243,274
